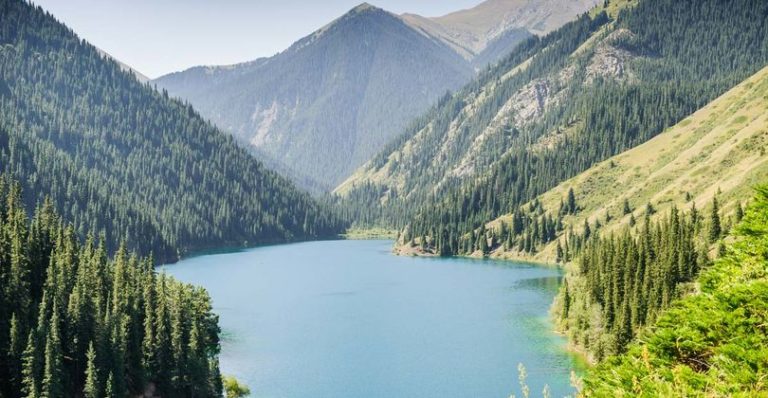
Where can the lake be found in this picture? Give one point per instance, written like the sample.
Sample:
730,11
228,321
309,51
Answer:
349,319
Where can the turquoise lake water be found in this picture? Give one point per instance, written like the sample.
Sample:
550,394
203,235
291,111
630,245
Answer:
349,319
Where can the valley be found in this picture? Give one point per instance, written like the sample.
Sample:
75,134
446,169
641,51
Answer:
536,198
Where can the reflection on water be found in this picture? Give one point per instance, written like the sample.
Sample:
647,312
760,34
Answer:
547,284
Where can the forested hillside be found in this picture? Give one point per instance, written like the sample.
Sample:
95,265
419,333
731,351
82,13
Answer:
711,343
717,152
511,136
621,282
75,324
120,159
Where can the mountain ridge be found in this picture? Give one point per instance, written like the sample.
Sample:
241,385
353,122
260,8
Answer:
472,30
347,68
371,69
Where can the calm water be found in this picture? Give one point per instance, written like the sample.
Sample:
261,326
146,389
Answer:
348,319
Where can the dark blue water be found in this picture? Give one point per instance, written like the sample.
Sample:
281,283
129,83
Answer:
348,319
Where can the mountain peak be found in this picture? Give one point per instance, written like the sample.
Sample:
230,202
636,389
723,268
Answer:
363,7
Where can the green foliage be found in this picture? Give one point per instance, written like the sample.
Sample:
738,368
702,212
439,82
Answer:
235,389
708,344
92,325
622,282
715,228
120,159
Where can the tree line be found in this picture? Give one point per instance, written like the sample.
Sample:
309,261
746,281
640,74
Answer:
74,322
621,282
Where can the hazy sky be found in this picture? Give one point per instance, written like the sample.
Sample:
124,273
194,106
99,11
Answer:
161,36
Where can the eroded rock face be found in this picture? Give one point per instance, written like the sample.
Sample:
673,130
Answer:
609,61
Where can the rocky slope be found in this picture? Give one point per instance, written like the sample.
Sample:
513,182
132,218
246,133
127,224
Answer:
453,145
335,98
493,28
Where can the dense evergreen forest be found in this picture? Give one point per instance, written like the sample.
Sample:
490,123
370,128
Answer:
683,54
74,323
712,343
120,159
621,282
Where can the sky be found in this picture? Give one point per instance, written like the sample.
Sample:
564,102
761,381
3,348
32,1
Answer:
157,37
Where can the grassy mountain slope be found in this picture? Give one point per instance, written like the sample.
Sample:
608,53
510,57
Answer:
708,344
119,158
722,147
331,100
511,136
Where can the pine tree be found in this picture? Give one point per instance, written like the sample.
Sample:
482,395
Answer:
53,381
739,212
15,352
571,201
483,244
91,388
31,368
109,389
566,300
715,229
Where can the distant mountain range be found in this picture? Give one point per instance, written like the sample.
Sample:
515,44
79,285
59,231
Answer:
333,99
490,30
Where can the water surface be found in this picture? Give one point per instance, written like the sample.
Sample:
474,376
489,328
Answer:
348,319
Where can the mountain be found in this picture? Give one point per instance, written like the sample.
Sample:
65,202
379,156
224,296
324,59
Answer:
120,159
718,151
493,28
332,99
552,109
335,98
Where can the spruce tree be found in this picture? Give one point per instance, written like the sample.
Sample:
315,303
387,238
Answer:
715,229
626,209
53,378
571,201
739,212
31,368
91,388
